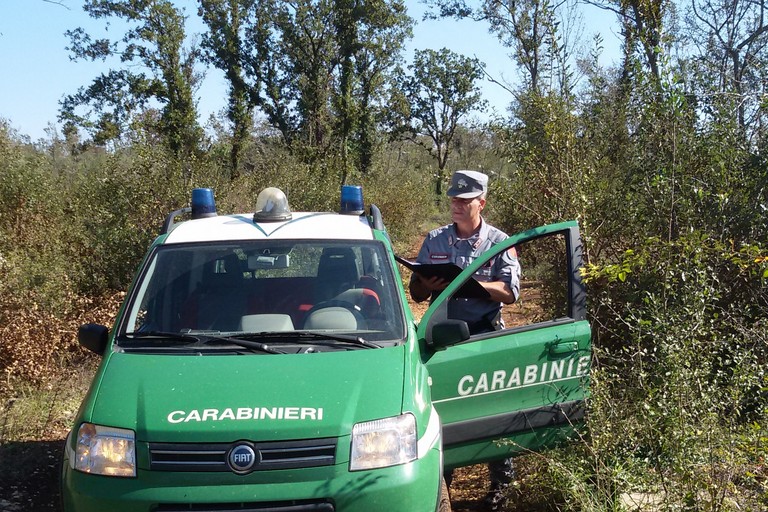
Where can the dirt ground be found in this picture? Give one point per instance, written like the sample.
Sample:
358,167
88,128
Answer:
29,475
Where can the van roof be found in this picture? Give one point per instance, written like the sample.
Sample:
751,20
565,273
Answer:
303,226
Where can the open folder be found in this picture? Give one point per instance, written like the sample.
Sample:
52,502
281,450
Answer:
448,271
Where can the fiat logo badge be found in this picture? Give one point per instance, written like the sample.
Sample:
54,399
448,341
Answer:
241,458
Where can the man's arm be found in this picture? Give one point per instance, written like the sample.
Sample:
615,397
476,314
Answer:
499,291
506,284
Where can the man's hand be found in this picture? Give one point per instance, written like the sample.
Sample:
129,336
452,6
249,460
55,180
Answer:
421,288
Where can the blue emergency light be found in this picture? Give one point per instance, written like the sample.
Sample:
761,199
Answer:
352,200
203,204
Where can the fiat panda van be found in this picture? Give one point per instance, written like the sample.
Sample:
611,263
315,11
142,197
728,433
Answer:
269,361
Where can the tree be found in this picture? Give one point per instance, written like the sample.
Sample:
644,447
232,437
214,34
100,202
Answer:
643,24
528,28
315,68
732,40
244,40
367,52
153,43
311,54
225,49
441,90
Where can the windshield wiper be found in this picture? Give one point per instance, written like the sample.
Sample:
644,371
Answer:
204,338
245,343
177,336
290,336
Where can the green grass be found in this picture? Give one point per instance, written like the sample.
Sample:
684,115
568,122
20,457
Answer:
44,412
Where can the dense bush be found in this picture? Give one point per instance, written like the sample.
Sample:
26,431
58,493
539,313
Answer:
677,414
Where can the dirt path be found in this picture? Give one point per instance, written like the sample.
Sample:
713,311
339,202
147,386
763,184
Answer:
29,476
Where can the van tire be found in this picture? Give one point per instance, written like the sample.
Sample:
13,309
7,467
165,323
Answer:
444,505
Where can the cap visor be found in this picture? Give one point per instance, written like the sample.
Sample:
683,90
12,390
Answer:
465,195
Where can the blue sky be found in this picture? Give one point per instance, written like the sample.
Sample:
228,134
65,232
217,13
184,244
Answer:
36,72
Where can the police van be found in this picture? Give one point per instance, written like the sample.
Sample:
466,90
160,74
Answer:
269,361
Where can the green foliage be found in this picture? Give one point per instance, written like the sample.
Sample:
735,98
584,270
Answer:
670,208
551,176
119,208
405,199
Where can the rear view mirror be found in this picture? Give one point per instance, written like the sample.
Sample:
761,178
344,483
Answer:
268,261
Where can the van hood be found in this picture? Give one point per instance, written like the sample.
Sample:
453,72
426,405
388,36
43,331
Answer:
222,398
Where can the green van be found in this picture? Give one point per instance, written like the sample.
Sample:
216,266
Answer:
270,362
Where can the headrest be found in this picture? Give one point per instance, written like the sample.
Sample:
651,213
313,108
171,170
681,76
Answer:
334,317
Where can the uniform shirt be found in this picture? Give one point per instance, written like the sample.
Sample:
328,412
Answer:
443,245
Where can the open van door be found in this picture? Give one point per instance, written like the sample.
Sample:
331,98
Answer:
522,387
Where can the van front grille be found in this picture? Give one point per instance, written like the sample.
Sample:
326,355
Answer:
273,455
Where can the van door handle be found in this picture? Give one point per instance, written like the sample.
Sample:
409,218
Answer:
559,348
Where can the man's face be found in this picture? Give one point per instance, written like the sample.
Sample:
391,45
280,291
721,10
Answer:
467,210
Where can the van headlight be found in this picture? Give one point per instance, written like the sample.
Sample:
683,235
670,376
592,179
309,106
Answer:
105,450
382,443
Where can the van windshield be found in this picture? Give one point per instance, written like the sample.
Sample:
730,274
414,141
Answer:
265,287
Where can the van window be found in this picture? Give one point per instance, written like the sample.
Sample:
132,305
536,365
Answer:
256,286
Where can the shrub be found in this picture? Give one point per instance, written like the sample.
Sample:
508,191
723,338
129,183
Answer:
678,402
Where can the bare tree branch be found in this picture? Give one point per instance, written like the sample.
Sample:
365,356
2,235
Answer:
606,7
55,2
493,80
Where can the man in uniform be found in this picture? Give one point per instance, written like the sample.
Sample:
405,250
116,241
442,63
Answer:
461,242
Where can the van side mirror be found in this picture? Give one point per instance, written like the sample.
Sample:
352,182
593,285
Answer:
447,333
93,337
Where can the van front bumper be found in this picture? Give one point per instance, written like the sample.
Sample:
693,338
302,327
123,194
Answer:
412,487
